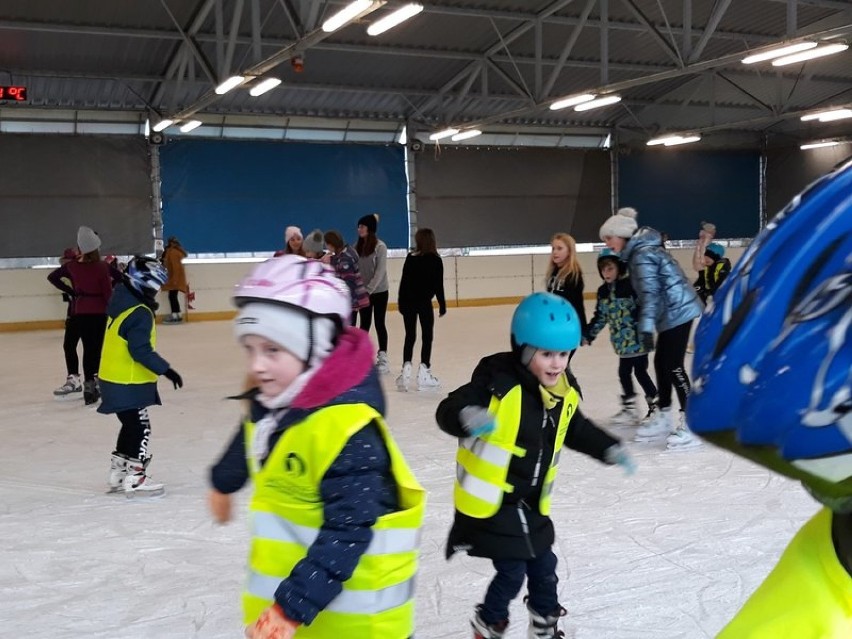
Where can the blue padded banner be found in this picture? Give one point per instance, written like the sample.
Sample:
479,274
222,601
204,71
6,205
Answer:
675,189
235,196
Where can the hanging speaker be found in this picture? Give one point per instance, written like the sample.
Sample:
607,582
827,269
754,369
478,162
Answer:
415,146
157,138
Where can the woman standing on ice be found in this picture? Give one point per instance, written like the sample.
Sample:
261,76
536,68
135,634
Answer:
565,276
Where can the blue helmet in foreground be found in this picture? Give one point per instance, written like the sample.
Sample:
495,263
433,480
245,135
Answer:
146,275
773,351
547,322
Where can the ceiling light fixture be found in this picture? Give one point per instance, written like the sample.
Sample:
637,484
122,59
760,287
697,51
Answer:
162,125
818,145
820,114
819,52
466,135
600,102
839,114
266,85
661,140
190,126
230,83
347,14
682,140
777,53
440,135
393,19
573,100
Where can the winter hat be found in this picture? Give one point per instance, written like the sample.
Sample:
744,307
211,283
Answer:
623,224
708,227
311,340
314,242
87,240
714,251
290,232
370,221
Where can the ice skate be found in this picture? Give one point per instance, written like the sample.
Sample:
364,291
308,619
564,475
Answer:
382,363
137,483
682,438
545,627
628,415
172,318
404,378
482,630
91,392
70,389
426,380
657,428
652,407
117,473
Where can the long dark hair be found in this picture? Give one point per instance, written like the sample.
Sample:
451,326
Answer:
367,245
424,242
335,240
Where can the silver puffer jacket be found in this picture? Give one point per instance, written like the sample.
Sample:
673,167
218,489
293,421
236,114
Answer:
666,298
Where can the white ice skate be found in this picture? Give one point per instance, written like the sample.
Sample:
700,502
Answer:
137,483
545,627
682,438
404,378
71,389
628,415
117,473
382,363
426,380
656,428
482,630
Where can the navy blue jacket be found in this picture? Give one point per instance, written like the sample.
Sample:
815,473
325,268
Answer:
136,329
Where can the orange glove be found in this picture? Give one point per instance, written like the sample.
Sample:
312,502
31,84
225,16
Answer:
272,624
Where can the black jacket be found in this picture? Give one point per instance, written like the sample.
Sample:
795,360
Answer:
503,536
572,292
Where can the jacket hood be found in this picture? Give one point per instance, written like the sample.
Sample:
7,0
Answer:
643,237
123,297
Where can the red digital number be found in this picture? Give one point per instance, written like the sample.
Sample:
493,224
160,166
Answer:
17,93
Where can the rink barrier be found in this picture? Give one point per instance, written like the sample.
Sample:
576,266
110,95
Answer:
28,302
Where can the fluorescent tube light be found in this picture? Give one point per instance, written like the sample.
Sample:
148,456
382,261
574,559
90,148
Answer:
266,85
574,100
810,55
839,114
466,135
440,135
777,53
682,140
818,115
392,19
190,126
662,140
230,83
346,15
600,102
162,125
817,145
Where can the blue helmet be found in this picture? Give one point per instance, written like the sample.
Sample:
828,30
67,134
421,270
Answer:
546,321
608,255
716,249
146,275
773,351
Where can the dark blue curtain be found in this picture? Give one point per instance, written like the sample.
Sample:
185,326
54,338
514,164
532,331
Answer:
233,196
675,189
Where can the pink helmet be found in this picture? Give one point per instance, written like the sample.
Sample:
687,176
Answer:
298,282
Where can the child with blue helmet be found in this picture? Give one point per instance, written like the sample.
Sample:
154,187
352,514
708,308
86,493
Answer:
716,269
512,420
618,308
773,383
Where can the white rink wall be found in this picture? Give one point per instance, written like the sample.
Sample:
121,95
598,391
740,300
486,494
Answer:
27,300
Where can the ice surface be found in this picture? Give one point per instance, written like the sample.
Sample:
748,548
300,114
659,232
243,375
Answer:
670,553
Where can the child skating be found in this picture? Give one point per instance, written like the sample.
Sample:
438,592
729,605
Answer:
335,509
128,374
512,420
618,308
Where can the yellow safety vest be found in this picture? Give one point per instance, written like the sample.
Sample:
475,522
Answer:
808,595
117,365
482,463
377,601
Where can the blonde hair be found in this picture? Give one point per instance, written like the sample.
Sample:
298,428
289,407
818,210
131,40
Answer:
571,269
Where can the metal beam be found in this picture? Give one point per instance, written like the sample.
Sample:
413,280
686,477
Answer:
566,50
687,29
604,37
712,23
517,88
652,30
748,94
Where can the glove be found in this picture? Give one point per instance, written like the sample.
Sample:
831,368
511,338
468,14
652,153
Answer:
647,341
477,421
174,378
618,455
272,624
220,506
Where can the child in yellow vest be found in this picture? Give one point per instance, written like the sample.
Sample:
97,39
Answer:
512,420
335,511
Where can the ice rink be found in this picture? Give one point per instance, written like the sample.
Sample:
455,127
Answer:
670,553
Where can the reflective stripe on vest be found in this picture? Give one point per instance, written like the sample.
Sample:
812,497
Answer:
482,463
117,365
287,514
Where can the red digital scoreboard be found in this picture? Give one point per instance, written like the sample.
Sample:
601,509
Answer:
13,93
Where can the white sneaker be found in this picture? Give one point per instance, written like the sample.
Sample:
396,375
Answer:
69,389
426,380
117,473
404,378
656,428
628,415
682,438
382,363
137,483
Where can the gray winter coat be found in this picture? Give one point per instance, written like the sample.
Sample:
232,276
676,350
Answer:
666,298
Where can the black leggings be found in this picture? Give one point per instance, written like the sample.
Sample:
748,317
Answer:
379,308
69,345
668,364
91,329
426,315
133,436
174,303
627,367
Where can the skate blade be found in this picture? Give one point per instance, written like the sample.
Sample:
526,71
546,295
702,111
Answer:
68,398
690,446
647,439
114,491
146,494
